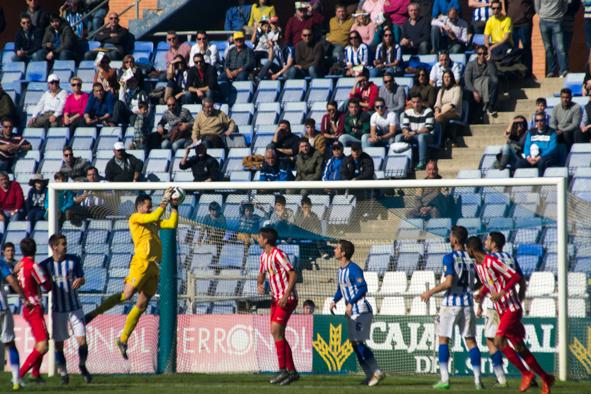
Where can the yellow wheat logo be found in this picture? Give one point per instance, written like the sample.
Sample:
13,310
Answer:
335,353
582,353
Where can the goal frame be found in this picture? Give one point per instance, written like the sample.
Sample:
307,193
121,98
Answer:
561,185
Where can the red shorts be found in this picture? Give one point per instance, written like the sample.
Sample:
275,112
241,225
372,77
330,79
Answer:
34,316
281,315
510,326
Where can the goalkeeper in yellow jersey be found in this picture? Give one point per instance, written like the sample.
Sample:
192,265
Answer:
144,269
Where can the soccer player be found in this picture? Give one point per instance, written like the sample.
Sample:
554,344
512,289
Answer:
144,269
353,288
457,307
500,281
32,280
275,266
65,271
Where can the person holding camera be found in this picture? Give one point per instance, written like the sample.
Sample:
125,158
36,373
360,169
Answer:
204,167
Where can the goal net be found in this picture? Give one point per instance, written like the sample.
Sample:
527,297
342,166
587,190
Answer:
400,230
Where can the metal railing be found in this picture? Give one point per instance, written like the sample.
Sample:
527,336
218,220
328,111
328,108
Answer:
135,4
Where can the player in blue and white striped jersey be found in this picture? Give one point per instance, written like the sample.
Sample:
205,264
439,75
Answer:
353,288
457,307
67,277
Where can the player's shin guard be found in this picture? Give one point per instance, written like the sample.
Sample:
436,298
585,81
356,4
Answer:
289,364
280,349
82,355
532,363
132,319
60,360
30,362
443,362
514,359
497,362
14,363
475,360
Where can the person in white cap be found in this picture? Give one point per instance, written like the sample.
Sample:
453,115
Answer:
123,167
49,110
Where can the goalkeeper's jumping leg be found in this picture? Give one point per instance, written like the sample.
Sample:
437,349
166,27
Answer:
133,318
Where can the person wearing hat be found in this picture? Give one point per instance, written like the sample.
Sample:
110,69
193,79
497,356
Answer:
364,26
99,108
48,111
11,145
205,168
332,168
304,18
123,167
239,60
264,39
12,200
36,199
59,42
209,52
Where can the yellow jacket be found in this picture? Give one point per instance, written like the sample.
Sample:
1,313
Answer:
144,233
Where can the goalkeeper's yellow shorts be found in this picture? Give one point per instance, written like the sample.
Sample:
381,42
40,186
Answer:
144,276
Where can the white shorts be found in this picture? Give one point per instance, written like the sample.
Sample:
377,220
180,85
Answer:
462,316
60,322
6,327
491,322
359,327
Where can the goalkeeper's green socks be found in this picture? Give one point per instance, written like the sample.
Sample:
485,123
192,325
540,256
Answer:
107,304
132,319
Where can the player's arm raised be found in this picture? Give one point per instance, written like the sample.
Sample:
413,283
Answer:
173,220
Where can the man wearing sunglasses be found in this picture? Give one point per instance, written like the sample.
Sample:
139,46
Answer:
498,32
308,55
175,47
239,61
481,79
49,110
28,40
209,52
114,38
541,147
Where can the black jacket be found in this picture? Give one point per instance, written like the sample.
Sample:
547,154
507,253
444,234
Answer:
114,173
123,39
30,42
361,169
209,79
68,39
203,168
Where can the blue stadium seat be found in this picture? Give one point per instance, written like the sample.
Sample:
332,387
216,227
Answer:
15,67
223,308
295,112
294,90
11,76
231,256
342,89
267,91
226,288
397,164
378,263
202,287
267,113
36,71
407,262
241,92
320,90
243,113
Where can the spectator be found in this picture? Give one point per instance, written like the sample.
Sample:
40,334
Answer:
11,145
39,17
338,34
480,78
521,13
239,59
258,10
365,91
309,162
174,128
445,63
99,109
416,32
332,125
59,42
65,198
177,76
480,14
175,48
332,169
515,135
123,167
127,108
356,123
280,217
498,33
364,26
212,126
356,54
449,32
308,233
209,52
566,120
263,39
114,38
551,13
393,94
129,64
309,306
201,81
274,170
448,106
315,138
433,203
28,40
541,106
284,142
249,223
72,12
388,57
308,55
358,166
417,127
89,204
280,60
237,17
12,200
7,106
75,105
141,126
73,167
50,108
304,18
204,167
8,253
383,126
423,88
398,13
106,75
541,147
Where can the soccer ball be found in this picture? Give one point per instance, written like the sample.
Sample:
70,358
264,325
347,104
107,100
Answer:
178,195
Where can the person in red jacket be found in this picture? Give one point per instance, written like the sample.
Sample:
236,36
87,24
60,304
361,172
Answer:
12,199
365,90
304,18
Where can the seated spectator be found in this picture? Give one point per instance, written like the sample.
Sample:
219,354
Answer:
177,75
304,18
127,108
541,147
448,106
480,78
332,125
174,128
309,306
212,126
382,126
274,170
7,106
444,63
285,143
214,227
12,200
307,231
515,135
423,88
202,46
72,12
332,169
115,39
309,162
239,59
541,106
202,81
417,127
249,223
204,167
11,145
39,16
59,42
50,108
416,32
586,121
364,26
258,10
356,123
566,120
8,252
449,32
356,54
99,109
480,14
280,217
123,167
365,91
106,75
308,55
338,34
65,198
128,63
498,32
433,203
315,138
263,39
89,204
393,94
73,167
176,48
75,105
357,166
375,8
28,40
388,57
141,126
280,60
237,16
